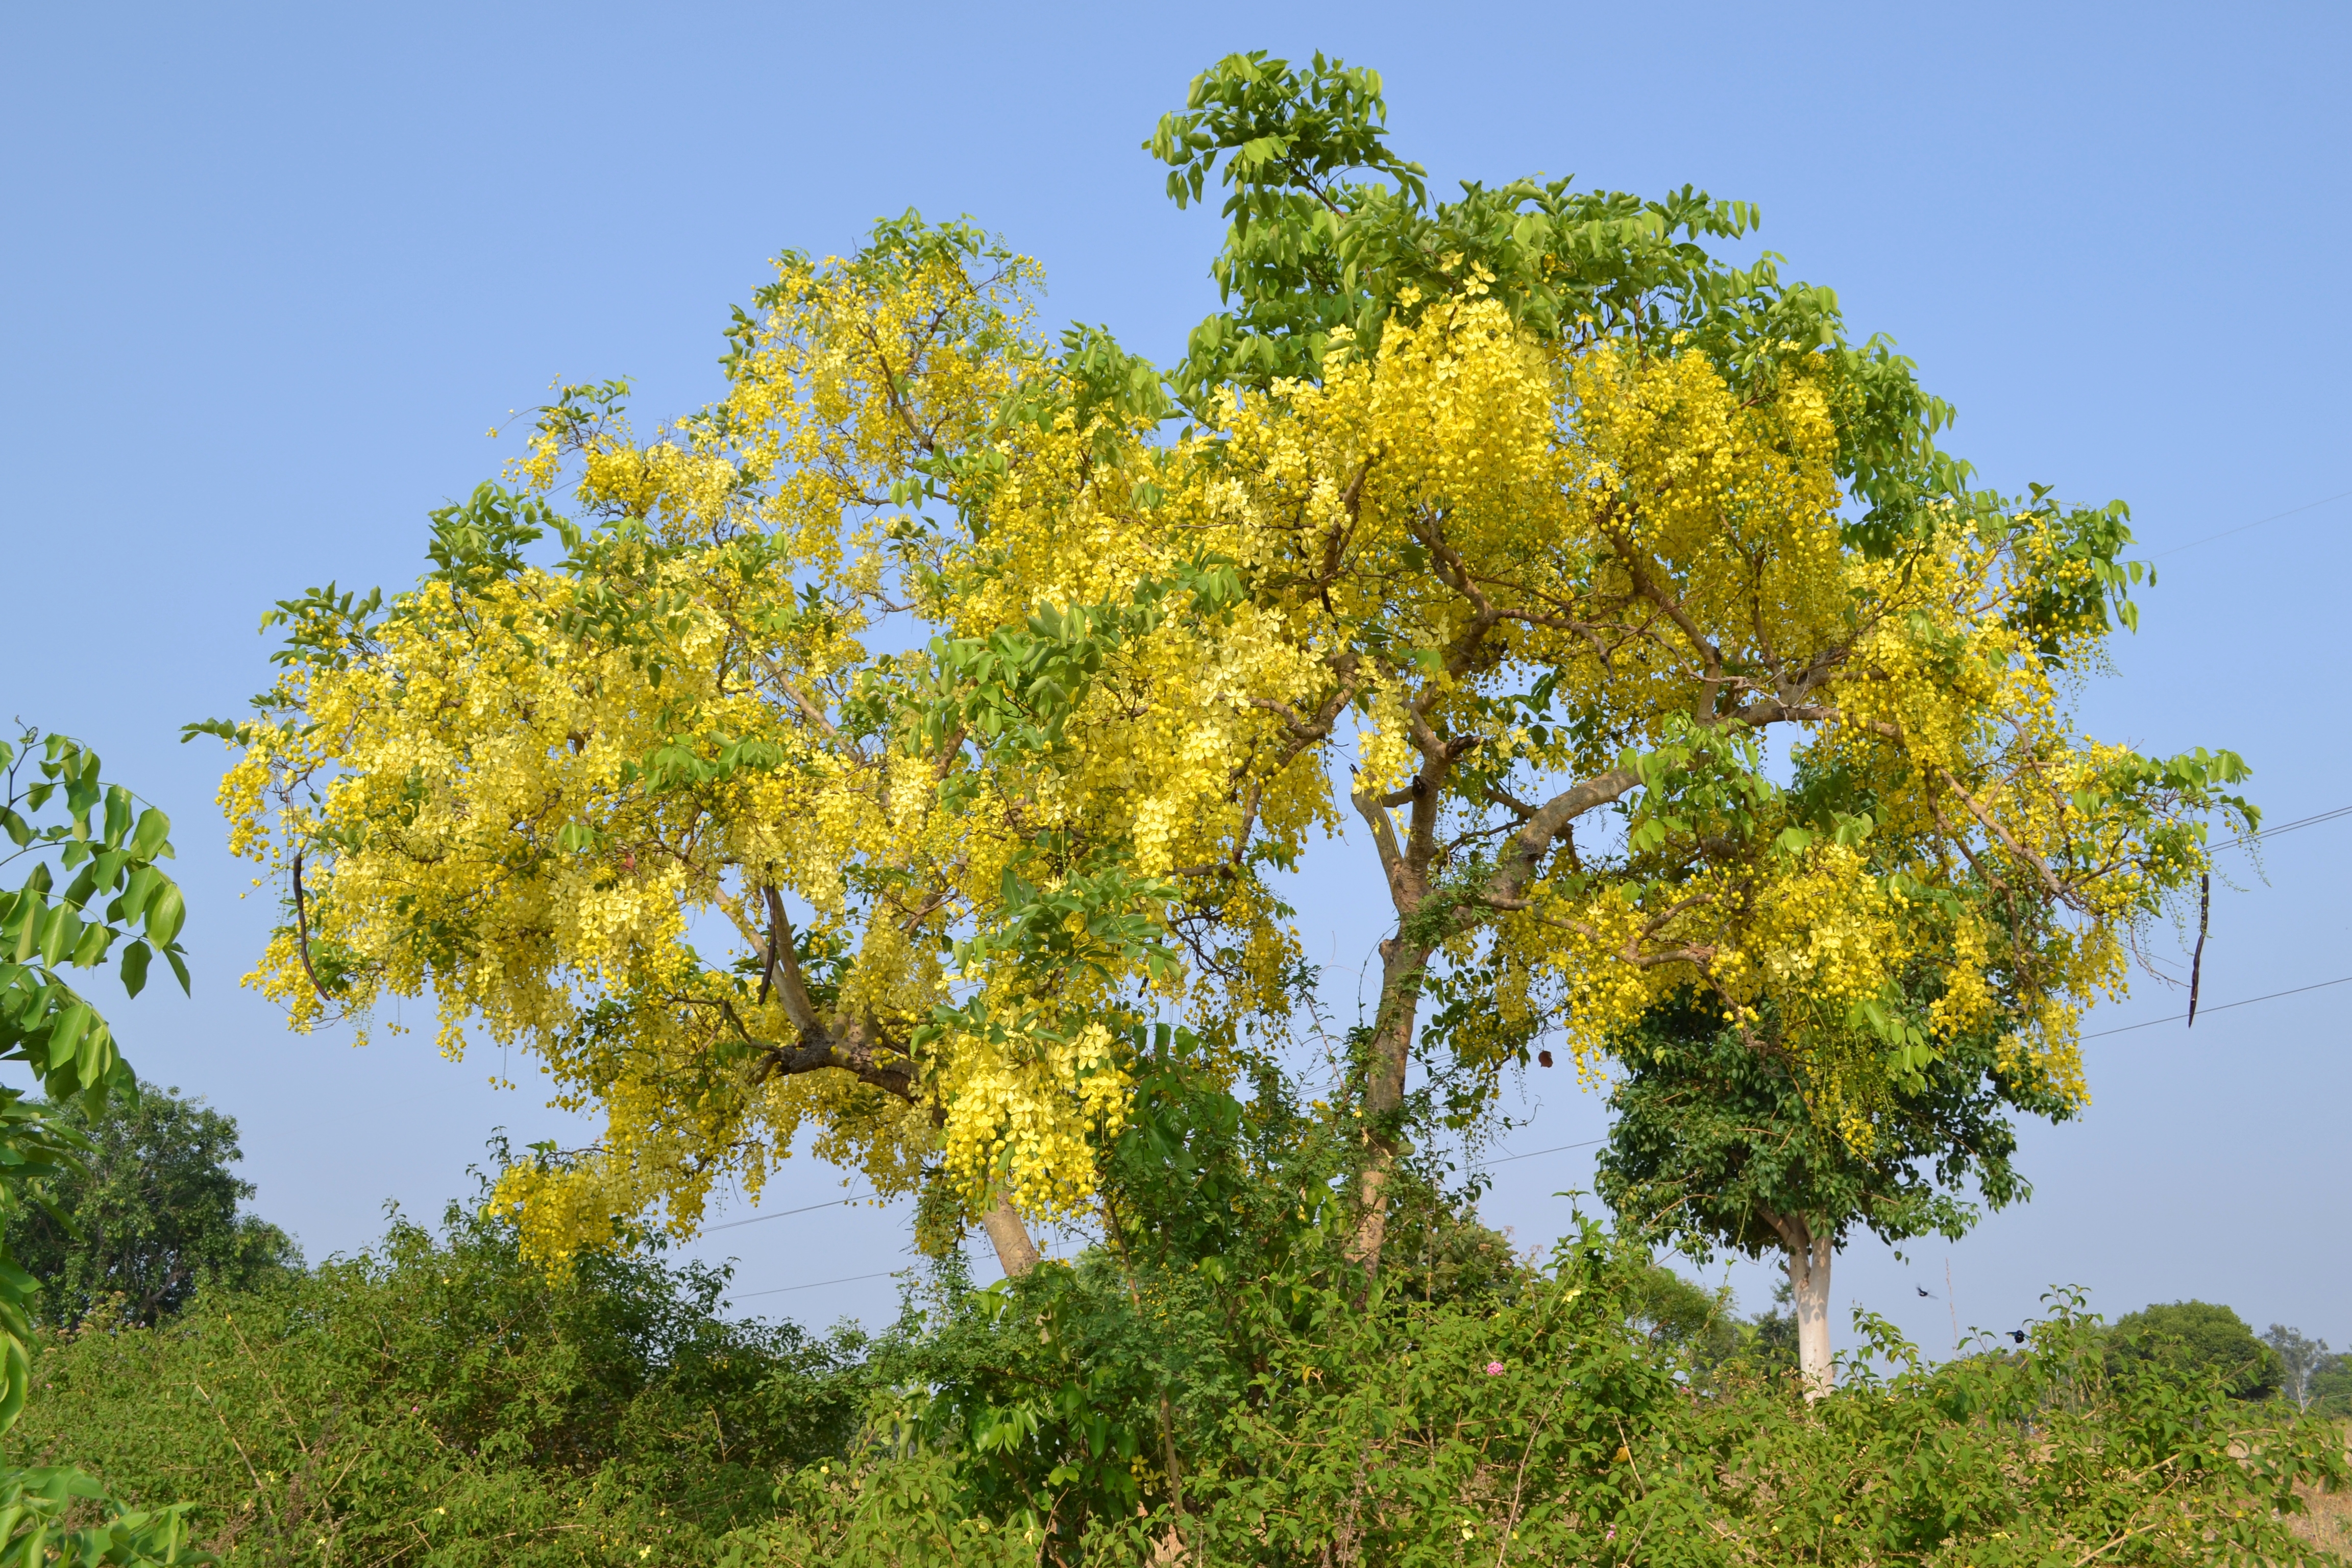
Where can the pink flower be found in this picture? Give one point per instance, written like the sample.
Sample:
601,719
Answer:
1494,1369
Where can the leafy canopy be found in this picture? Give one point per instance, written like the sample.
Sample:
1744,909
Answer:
1713,1144
149,1214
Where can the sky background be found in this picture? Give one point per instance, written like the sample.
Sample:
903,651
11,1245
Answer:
270,274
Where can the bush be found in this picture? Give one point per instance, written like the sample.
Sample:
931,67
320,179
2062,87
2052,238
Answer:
439,1401
1544,1424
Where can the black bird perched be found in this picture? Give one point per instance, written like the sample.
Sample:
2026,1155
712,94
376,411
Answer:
1924,1291
2017,1334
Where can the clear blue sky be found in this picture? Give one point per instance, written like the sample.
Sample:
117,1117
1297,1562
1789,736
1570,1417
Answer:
269,273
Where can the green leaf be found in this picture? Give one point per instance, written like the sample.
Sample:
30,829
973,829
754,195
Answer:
97,1050
135,959
154,828
135,894
58,934
166,914
118,814
90,951
66,1031
179,969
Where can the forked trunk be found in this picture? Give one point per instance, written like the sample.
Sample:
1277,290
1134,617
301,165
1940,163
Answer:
1015,1253
1808,1284
1390,1052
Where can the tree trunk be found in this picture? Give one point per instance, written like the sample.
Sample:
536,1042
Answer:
1390,1052
1015,1253
1808,1283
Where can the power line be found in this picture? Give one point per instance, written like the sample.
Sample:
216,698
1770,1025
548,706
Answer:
2150,1024
817,1285
1557,1148
2286,826
779,1214
1531,1153
2241,528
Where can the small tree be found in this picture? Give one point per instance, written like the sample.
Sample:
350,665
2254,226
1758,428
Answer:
1717,1144
2299,1358
2193,1340
151,1213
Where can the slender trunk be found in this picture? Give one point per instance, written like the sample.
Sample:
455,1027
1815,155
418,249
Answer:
1808,1283
1390,1052
1015,1253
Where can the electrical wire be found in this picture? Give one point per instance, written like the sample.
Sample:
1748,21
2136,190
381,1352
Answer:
1555,1149
779,1214
2174,1018
2286,826
1588,1142
815,1285
2241,528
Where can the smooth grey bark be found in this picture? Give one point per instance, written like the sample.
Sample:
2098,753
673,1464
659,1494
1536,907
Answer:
1809,1284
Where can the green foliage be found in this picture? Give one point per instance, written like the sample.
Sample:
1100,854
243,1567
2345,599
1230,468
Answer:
1682,1317
2197,1343
438,1401
107,852
2045,1454
147,1214
64,821
1714,1141
2331,1388
44,1515
1217,1384
1329,230
1545,1426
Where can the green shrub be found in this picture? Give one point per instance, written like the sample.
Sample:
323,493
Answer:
1545,1425
1218,1383
439,1401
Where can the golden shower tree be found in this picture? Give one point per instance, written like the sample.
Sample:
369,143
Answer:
896,736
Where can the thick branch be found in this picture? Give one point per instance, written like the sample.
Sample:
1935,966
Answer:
1384,840
1516,868
786,966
